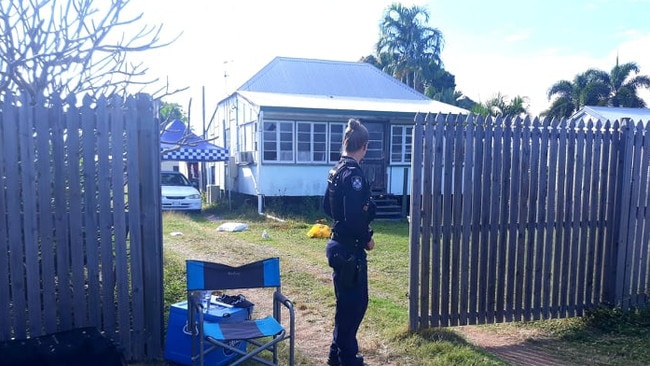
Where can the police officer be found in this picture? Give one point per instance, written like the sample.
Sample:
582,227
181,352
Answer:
347,201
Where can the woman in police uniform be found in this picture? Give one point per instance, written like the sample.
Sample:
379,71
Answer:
347,201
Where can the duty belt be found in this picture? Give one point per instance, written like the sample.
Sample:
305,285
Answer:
346,240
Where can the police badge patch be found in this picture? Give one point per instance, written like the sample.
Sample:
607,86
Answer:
357,183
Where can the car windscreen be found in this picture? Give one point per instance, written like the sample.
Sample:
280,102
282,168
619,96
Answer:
170,179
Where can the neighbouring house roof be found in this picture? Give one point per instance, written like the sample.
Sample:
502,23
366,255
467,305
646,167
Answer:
612,114
335,85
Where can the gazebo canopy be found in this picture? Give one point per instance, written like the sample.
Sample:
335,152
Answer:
176,143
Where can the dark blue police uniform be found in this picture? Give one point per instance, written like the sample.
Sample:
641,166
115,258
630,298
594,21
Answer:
347,201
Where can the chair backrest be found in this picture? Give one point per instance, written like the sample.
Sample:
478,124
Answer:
216,276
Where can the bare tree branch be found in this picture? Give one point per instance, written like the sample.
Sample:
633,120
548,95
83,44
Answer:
73,47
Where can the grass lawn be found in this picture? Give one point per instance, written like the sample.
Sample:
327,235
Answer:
384,337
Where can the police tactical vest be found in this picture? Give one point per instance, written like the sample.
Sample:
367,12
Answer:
333,204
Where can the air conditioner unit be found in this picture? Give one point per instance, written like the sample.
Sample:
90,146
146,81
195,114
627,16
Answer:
245,158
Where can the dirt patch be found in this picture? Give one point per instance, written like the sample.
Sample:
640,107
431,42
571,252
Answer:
512,348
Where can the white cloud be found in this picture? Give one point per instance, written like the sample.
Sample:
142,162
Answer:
238,38
482,75
518,36
635,50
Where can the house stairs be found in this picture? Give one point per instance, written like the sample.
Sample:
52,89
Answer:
389,207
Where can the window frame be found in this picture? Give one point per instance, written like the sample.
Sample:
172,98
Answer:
247,137
405,149
278,141
331,143
311,151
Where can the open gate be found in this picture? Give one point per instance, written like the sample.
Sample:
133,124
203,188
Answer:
518,219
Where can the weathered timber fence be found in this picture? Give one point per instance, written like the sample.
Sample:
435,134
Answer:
517,219
80,222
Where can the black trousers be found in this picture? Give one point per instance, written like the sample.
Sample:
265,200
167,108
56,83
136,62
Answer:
351,290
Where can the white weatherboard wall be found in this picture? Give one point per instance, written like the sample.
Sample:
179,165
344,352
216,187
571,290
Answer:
301,180
283,180
294,180
396,179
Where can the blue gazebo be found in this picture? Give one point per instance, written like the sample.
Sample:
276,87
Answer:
177,143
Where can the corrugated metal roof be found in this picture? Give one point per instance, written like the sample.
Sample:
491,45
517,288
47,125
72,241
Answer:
278,100
614,113
322,77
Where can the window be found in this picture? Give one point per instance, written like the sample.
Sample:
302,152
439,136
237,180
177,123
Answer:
311,142
247,137
278,141
336,140
401,141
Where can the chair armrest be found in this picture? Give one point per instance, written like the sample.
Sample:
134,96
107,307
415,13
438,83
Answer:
283,300
279,298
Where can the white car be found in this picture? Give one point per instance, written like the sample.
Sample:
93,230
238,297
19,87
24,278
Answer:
178,193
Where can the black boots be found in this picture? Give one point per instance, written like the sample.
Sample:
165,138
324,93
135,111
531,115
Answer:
334,361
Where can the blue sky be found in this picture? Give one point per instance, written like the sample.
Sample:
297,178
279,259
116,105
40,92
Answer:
508,47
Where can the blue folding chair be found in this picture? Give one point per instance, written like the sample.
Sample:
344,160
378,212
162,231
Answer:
261,334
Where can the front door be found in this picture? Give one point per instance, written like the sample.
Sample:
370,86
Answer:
374,163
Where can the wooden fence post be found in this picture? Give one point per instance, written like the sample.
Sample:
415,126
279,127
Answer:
414,224
152,259
620,242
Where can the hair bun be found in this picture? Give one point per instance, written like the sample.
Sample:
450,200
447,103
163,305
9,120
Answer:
355,136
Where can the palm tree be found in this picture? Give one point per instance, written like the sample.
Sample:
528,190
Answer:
449,96
596,87
624,87
516,106
499,105
570,95
407,47
438,81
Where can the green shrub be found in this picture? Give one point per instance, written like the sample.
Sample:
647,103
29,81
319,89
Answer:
608,319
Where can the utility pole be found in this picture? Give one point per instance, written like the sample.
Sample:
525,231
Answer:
226,75
228,167
203,172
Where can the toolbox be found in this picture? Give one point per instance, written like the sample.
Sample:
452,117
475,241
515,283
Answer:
178,342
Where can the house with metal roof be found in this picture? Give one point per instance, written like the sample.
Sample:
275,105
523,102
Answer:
612,114
284,127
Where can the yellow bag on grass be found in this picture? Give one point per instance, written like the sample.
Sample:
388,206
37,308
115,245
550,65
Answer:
319,231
